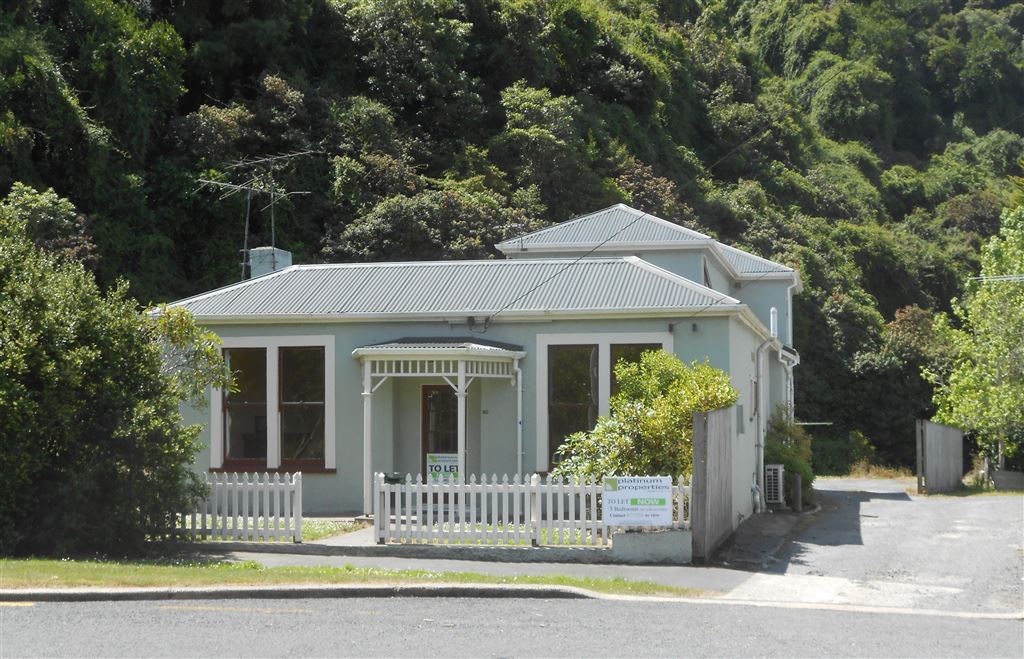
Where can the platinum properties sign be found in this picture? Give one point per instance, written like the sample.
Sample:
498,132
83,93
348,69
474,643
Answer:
637,501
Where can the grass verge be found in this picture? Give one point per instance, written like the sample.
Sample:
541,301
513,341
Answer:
44,573
969,491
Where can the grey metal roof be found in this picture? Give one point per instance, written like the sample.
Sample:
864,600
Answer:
461,343
614,225
457,288
622,227
750,264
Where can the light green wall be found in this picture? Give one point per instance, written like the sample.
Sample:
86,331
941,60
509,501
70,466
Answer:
396,406
761,296
743,371
725,342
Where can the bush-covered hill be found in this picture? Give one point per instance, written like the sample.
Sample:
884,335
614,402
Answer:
869,143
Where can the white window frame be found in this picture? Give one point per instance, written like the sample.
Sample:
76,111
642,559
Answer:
603,341
273,344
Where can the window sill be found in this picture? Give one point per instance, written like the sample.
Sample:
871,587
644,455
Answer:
262,469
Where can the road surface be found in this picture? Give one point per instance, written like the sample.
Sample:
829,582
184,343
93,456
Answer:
405,627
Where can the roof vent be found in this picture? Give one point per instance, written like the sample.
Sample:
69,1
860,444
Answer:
264,260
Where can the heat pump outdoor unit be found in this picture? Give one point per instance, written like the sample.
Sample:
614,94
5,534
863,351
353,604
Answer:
774,476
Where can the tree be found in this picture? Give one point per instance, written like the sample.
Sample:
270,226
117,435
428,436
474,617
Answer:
983,390
650,429
94,455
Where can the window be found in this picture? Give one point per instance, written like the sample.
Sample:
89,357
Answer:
282,414
630,353
302,403
572,392
245,410
575,381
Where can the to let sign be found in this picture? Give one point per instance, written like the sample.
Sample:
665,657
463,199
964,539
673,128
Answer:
442,467
637,501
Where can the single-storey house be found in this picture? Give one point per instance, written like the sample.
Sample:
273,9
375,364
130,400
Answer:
344,370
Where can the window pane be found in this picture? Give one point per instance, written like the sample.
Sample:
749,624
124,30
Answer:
302,432
302,403
245,410
630,353
572,391
302,375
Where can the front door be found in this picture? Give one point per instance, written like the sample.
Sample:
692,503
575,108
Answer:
440,421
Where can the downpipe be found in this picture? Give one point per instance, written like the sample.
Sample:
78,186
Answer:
758,498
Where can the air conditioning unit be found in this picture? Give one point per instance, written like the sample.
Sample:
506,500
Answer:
774,477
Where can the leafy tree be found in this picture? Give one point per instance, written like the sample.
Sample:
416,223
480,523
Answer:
983,390
790,445
94,457
650,429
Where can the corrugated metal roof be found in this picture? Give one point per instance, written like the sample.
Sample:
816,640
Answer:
622,226
457,288
750,264
614,225
457,343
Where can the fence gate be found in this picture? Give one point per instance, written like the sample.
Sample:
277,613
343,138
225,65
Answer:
940,457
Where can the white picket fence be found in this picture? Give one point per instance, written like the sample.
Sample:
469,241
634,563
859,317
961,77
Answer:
499,512
248,507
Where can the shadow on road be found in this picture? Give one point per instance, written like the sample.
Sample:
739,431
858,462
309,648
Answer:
771,542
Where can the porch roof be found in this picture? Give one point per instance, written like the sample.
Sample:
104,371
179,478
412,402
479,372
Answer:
415,347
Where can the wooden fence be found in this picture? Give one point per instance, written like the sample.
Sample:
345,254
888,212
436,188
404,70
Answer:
513,511
248,507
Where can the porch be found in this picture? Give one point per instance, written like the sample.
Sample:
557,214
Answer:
457,399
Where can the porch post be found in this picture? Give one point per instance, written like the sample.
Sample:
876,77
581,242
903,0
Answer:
460,394
367,439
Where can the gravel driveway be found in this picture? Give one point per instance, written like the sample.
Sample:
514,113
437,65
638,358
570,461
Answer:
874,544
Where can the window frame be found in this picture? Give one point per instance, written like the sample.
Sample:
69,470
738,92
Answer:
273,344
604,341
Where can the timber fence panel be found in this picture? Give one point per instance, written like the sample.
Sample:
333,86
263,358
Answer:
247,507
711,515
940,457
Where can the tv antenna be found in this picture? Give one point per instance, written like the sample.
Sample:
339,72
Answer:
260,181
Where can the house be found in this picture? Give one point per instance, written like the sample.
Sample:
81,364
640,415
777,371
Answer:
349,369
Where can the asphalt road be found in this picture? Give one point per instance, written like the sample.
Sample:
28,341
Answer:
876,543
405,627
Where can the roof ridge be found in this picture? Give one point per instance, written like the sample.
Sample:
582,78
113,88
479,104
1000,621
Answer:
755,256
638,214
686,283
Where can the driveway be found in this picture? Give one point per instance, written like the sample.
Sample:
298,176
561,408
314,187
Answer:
874,544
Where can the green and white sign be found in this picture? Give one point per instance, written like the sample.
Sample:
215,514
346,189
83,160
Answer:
637,501
442,467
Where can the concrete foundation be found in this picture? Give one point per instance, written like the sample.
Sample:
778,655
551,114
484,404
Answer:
665,546
1008,480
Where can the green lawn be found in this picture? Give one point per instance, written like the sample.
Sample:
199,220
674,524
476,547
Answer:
40,573
312,528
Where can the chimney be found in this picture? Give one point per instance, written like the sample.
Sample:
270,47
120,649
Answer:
264,260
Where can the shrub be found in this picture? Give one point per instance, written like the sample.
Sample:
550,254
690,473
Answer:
650,430
94,458
790,445
836,456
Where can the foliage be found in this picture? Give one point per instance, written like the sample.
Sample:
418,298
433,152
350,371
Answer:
837,455
982,391
94,458
870,144
650,429
790,445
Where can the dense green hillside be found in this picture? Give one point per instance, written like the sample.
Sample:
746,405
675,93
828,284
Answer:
868,143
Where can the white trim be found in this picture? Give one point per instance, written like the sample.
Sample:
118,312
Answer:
272,344
603,340
456,317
